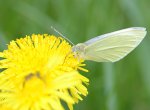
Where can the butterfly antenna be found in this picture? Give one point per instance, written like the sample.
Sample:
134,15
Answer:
62,35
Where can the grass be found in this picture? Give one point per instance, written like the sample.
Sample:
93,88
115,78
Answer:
124,85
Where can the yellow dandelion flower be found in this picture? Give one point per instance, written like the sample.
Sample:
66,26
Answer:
40,72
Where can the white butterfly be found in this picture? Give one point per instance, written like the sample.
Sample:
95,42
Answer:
110,47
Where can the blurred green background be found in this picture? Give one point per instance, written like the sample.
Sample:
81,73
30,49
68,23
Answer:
124,85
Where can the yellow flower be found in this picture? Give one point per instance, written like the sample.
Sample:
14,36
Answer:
39,73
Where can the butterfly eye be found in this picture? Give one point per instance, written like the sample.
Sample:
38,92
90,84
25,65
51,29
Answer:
73,48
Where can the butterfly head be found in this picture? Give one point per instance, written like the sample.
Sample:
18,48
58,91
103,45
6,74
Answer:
79,50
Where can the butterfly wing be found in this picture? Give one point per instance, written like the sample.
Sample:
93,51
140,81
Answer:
113,46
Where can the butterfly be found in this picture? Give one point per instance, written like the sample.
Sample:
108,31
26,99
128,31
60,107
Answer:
110,47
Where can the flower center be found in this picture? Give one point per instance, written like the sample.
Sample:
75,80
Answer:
34,85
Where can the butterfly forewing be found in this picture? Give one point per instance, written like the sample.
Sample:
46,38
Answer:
113,46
